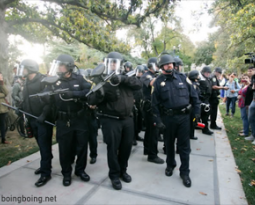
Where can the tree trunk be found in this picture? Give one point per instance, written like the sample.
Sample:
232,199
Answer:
4,57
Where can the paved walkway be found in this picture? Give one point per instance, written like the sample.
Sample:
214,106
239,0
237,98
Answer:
213,174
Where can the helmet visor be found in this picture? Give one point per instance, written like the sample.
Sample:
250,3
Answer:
112,65
154,67
57,67
20,71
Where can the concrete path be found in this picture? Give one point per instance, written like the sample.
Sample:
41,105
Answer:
213,174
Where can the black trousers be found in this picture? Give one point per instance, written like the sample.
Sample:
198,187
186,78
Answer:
214,111
138,122
92,125
177,126
204,117
118,135
150,142
70,139
2,126
43,135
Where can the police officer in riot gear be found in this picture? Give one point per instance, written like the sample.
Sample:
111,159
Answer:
205,94
70,117
151,133
172,98
91,121
42,132
194,77
115,103
127,67
138,116
214,100
178,64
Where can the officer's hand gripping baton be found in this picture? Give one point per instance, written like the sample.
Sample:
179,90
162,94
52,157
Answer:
28,114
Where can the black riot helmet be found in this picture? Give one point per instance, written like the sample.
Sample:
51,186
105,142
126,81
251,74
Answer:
140,70
152,64
27,67
193,75
128,66
164,60
178,61
218,70
145,67
113,63
62,65
206,69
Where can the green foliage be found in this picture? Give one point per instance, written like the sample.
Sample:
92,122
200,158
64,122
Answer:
84,56
90,22
236,34
153,43
243,152
204,51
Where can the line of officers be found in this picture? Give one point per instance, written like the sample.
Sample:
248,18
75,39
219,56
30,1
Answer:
169,103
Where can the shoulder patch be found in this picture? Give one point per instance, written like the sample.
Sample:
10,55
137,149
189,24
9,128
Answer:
195,87
214,79
188,81
149,77
163,83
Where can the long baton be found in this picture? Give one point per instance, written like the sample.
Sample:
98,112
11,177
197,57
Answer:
28,114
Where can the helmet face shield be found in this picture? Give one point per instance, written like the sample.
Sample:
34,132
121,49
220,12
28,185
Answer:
112,65
57,68
153,67
22,71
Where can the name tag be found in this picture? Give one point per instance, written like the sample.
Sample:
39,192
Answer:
180,83
75,86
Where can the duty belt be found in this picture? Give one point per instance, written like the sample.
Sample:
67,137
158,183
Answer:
172,112
67,116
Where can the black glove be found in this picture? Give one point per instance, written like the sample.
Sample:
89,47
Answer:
197,116
67,94
41,118
100,92
160,125
116,79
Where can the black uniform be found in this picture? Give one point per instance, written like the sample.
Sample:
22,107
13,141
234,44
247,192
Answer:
171,100
92,125
192,114
138,116
214,101
41,131
70,118
151,133
205,94
115,111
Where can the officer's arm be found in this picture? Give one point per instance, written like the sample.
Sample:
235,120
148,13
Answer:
194,99
215,86
155,101
132,82
146,80
85,88
95,98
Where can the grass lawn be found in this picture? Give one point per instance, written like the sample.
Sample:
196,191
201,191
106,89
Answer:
244,152
18,148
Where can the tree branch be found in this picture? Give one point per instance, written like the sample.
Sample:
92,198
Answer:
6,2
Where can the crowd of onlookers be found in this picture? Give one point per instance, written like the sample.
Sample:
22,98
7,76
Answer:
240,91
